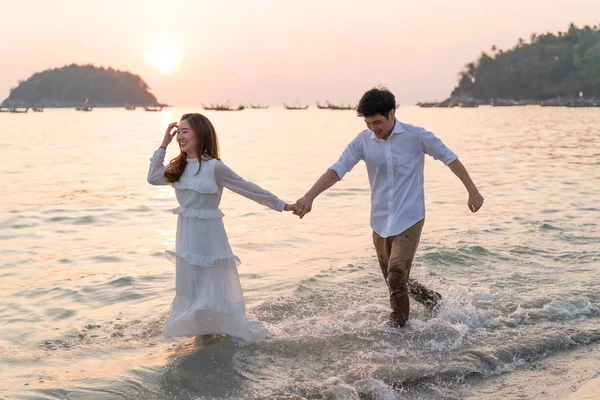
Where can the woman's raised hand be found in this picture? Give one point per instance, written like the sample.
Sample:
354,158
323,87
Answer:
169,134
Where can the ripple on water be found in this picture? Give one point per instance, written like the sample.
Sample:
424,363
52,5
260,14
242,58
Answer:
107,259
22,225
460,255
85,220
548,227
59,313
123,281
139,209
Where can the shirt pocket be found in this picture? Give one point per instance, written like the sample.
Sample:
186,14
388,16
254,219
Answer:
403,163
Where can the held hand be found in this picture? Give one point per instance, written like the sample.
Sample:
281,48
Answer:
290,207
303,206
475,202
169,134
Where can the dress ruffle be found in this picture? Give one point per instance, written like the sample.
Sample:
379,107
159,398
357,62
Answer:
200,213
197,260
197,185
190,305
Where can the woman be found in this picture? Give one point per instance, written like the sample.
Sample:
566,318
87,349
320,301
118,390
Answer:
208,295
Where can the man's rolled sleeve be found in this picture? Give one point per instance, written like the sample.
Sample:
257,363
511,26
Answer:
433,146
339,168
349,158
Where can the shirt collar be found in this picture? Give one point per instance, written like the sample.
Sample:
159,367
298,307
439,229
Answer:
397,129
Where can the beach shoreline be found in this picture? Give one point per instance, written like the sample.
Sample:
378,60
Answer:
573,374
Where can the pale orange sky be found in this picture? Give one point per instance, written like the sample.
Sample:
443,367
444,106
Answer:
270,51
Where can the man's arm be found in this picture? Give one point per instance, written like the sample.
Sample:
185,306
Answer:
349,158
475,199
304,204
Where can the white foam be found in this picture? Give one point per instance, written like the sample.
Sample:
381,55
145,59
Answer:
555,309
374,389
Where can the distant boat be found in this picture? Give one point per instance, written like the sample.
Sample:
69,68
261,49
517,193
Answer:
18,110
37,109
342,107
258,106
4,109
84,107
436,105
468,105
130,108
154,108
504,103
320,107
227,108
295,107
222,107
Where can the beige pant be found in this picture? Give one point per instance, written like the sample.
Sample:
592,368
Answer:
395,255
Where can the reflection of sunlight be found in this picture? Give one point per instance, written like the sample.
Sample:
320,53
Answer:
168,237
166,117
184,349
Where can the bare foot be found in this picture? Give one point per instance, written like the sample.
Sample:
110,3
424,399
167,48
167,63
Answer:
204,340
201,340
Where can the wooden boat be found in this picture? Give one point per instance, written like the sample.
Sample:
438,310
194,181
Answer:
153,108
130,108
84,107
18,110
37,109
227,108
320,107
258,107
295,107
222,107
342,107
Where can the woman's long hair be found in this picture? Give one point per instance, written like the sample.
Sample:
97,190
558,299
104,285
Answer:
207,145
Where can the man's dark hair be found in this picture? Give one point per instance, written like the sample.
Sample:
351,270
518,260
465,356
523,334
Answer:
376,101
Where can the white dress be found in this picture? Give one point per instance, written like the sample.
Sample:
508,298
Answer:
208,294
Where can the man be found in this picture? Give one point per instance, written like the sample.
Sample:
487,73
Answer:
394,154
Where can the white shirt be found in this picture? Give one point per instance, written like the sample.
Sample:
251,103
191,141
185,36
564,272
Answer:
395,168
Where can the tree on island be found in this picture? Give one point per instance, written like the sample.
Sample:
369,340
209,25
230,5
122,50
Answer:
71,85
566,65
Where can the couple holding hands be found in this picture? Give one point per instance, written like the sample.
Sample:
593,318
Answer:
208,295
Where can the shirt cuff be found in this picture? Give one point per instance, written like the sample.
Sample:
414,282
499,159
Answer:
280,205
339,169
159,153
450,158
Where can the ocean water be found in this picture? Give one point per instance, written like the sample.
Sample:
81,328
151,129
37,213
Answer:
86,286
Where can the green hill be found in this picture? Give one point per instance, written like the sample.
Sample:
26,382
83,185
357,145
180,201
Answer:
71,85
565,65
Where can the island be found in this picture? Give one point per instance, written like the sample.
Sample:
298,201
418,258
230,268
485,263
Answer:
81,87
560,69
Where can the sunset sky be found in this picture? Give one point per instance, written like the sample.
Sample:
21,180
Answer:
270,51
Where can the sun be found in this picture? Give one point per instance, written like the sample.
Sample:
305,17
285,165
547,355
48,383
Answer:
163,53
